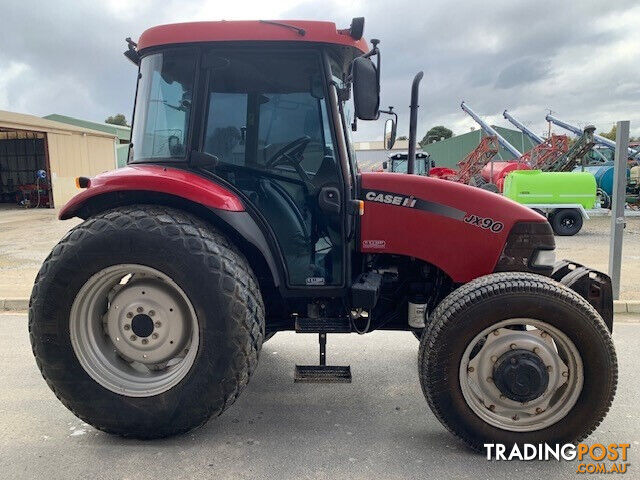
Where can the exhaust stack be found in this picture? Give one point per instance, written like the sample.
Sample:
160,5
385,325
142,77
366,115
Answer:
413,123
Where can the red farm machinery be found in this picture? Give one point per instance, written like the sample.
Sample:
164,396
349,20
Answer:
241,214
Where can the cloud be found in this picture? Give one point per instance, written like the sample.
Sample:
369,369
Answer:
582,62
523,72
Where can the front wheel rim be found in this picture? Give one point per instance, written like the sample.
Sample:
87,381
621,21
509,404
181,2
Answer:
134,330
558,354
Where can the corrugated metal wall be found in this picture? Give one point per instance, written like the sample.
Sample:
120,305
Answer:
77,154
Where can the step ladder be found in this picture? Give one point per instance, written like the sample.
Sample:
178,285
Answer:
322,373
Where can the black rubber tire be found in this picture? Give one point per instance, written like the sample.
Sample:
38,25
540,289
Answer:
212,272
605,199
487,300
566,222
268,337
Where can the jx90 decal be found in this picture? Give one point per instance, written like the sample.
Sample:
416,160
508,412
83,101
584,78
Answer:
486,223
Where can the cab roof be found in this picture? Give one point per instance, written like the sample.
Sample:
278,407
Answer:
303,31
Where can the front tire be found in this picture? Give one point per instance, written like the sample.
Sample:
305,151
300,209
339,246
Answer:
490,381
145,321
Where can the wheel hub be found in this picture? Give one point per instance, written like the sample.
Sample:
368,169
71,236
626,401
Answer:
142,325
146,322
521,379
521,375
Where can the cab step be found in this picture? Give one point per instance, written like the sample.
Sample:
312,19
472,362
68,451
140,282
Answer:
323,325
322,373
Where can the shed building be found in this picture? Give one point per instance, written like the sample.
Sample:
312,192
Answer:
447,153
40,159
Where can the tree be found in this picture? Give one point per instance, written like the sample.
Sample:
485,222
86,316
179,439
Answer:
436,134
117,119
611,135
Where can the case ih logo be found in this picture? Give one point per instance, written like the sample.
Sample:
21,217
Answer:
400,200
486,223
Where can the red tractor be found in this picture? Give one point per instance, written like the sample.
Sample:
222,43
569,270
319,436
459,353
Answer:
241,214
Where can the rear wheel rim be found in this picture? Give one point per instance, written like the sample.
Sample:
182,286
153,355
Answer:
134,330
558,354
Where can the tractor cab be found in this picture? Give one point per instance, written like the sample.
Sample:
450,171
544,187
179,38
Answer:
270,118
399,163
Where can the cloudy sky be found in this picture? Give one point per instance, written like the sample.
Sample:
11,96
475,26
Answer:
579,58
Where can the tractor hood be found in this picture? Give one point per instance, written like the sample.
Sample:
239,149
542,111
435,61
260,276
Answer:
460,229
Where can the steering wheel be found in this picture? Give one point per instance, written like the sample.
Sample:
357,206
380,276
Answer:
291,153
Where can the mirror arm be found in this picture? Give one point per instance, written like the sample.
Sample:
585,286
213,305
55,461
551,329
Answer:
391,112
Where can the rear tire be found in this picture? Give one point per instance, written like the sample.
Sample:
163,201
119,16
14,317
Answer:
218,284
475,308
566,222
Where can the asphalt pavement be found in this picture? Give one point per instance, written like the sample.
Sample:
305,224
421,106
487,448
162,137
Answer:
378,427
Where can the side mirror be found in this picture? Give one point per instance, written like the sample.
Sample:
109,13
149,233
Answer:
366,89
389,134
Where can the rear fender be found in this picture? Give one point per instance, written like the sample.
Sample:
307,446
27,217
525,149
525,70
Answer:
151,184
153,178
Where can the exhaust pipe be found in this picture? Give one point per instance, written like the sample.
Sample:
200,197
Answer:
413,121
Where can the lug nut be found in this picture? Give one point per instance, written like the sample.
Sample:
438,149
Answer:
496,333
489,379
158,324
513,346
515,417
492,407
470,369
145,341
129,315
127,327
154,336
536,350
133,338
565,374
494,359
152,313
139,309
538,410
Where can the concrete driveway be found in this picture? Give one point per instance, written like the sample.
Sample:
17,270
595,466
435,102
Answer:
377,427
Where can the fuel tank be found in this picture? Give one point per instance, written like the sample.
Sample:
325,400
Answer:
460,229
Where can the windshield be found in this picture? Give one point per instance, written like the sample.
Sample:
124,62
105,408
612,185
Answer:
163,105
399,165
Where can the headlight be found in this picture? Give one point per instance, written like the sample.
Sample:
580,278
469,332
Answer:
544,258
530,247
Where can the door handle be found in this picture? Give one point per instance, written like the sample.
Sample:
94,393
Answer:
329,200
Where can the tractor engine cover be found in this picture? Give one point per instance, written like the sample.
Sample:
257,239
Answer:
458,228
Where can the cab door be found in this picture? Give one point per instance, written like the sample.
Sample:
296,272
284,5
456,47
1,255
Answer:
267,122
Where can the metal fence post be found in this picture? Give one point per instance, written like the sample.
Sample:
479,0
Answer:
617,205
